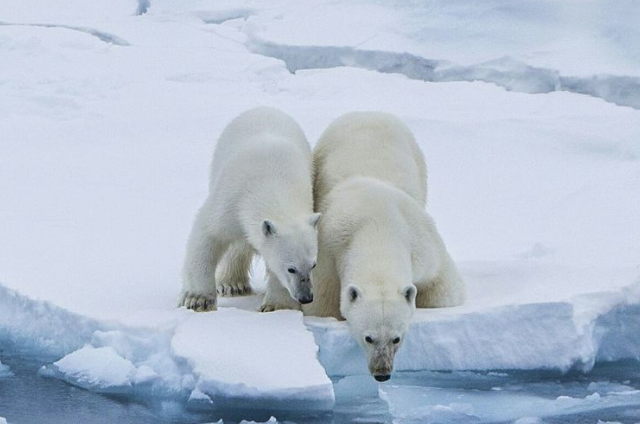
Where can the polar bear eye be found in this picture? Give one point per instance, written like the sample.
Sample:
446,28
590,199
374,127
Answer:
291,270
396,340
314,265
368,339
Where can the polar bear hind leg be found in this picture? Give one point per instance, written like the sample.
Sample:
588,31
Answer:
446,289
232,275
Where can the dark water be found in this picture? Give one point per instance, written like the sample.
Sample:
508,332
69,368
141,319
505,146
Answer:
611,392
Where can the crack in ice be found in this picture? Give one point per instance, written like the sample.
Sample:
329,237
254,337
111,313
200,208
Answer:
103,36
504,72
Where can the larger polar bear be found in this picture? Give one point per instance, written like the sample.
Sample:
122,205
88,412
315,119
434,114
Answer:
380,255
260,201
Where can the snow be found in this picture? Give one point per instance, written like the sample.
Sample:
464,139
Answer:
528,116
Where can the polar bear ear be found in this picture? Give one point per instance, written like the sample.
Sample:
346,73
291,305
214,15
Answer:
314,219
268,229
353,293
409,293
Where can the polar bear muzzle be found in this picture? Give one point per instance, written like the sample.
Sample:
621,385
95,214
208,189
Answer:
302,290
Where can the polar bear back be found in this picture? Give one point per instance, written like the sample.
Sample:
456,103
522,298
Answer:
379,146
261,169
256,135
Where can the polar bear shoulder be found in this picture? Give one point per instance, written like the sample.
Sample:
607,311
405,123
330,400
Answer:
372,144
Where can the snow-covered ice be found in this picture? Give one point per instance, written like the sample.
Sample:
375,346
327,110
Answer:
528,116
39,328
97,368
536,47
266,361
534,325
259,357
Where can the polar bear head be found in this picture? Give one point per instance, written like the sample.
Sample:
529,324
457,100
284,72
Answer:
290,251
379,323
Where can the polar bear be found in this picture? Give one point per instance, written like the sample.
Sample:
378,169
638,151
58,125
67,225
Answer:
260,201
380,255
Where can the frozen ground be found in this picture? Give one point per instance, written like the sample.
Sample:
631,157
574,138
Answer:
528,116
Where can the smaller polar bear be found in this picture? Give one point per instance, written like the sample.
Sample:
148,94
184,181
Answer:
380,255
260,201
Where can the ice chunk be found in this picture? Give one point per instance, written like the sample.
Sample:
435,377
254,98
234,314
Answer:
99,369
528,420
4,370
123,361
199,396
3,420
272,420
249,356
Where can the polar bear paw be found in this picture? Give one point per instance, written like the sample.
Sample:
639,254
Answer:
234,288
199,302
270,307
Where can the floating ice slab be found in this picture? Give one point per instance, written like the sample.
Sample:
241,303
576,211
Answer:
254,358
226,359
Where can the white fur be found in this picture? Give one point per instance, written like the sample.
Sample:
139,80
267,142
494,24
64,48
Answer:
260,201
377,245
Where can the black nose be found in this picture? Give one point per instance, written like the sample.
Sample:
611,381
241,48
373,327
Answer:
306,299
382,377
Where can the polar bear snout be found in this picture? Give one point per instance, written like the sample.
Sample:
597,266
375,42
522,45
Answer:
381,362
303,290
306,300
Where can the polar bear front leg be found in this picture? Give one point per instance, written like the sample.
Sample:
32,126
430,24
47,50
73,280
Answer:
204,251
277,297
232,275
